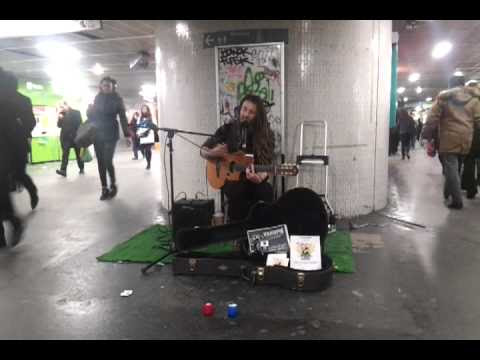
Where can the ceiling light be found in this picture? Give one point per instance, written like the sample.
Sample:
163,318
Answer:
414,77
182,30
24,28
458,73
428,99
97,69
148,91
58,52
401,90
405,99
418,90
441,49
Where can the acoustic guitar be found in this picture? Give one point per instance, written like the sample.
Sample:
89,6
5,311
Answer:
232,165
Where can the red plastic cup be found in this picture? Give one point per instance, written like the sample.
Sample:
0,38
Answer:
208,309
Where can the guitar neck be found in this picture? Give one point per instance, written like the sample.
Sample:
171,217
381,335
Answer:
258,168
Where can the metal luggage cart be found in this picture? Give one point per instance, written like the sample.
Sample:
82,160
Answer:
317,160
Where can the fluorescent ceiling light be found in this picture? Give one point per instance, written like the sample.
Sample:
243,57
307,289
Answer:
405,99
458,73
414,77
418,90
97,69
23,28
401,90
58,52
428,99
148,91
441,49
182,30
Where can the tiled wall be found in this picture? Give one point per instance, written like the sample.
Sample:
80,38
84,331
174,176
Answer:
337,71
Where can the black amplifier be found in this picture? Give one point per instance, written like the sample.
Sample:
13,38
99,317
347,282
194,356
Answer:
188,213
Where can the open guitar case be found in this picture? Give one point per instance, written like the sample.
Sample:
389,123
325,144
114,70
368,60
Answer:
304,213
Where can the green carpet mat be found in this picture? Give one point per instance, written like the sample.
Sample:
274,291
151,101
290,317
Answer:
339,248
152,243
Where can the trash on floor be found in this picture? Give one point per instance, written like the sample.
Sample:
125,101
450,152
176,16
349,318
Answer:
125,293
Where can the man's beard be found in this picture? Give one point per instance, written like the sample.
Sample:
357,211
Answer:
247,124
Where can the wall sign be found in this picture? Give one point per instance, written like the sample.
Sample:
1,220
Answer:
249,36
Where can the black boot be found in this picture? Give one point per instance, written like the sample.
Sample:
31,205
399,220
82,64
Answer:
113,190
3,241
471,194
17,231
34,199
105,194
62,172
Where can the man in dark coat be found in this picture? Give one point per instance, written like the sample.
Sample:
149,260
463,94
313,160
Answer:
26,121
12,150
470,168
69,121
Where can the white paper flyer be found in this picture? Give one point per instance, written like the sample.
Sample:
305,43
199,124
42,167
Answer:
305,252
277,260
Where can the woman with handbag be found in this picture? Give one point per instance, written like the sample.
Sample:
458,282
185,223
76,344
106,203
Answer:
106,107
146,130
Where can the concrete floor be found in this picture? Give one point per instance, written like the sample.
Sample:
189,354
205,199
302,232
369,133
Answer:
410,283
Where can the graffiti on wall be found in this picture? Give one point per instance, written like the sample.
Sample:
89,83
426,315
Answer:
252,69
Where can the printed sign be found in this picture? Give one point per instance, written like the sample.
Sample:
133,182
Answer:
250,36
272,239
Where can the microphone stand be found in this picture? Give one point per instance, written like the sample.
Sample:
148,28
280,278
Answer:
170,134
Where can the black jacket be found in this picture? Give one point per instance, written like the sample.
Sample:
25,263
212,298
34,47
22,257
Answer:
69,124
13,143
106,108
25,115
239,137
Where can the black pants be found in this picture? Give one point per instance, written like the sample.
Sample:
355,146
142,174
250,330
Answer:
147,152
393,141
104,150
67,144
24,179
6,206
136,147
405,138
241,195
470,174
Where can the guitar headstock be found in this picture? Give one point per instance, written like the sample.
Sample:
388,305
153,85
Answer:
287,170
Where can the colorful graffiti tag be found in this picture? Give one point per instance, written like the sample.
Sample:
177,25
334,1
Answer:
252,69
